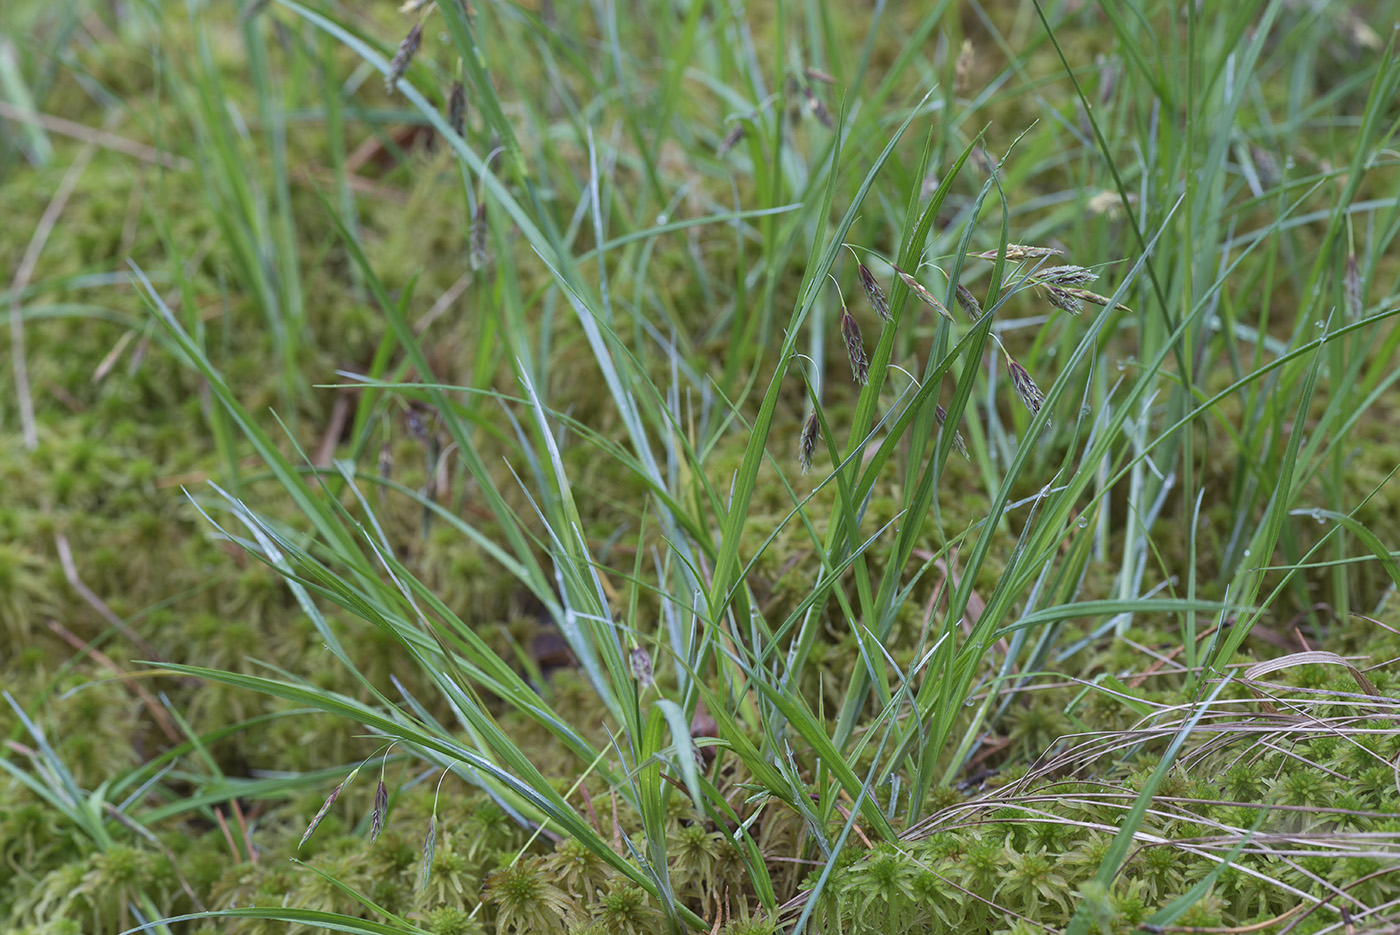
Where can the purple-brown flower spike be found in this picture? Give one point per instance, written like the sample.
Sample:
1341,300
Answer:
855,348
1025,386
811,429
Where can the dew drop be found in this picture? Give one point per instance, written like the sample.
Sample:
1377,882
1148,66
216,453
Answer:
662,219
1085,412
1246,553
1083,522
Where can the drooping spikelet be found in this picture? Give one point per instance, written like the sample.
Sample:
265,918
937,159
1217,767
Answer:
477,238
321,813
807,444
1066,275
942,415
969,302
923,294
429,845
457,109
1351,286
878,299
403,57
855,348
1016,251
1024,385
1066,299
381,808
730,140
640,660
815,107
962,68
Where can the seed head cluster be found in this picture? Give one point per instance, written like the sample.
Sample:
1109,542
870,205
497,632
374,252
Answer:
403,57
1063,285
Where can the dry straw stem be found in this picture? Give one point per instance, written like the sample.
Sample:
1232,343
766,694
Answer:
807,444
816,74
403,57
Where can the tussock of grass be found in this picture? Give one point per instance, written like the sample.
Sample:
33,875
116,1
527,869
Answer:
483,446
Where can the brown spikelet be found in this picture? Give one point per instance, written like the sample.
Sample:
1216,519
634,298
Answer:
429,845
1066,275
1016,251
403,57
640,661
969,302
1094,298
1108,78
478,236
1351,285
325,808
731,139
807,444
816,108
981,160
855,348
942,415
924,295
962,69
1266,166
457,109
381,808
1024,385
878,300
1065,299
816,74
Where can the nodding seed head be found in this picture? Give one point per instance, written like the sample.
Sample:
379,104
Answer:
969,301
403,57
878,299
1025,386
1069,300
1066,275
855,348
923,294
1016,251
807,444
941,415
457,109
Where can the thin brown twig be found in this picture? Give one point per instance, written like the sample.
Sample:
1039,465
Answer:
95,137
70,573
23,396
158,713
